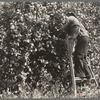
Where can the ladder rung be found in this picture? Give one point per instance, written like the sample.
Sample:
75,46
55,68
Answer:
92,78
78,78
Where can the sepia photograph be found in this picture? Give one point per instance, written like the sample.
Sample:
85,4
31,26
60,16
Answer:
50,49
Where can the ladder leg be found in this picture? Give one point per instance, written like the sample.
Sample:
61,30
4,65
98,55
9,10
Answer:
92,73
73,77
70,44
93,76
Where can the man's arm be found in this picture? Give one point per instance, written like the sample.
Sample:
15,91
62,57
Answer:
70,44
62,32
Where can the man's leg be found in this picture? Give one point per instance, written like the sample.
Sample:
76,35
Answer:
81,49
79,68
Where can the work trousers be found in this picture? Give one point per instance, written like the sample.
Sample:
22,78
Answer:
80,57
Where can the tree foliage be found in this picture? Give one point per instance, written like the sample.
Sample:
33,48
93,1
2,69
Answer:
31,52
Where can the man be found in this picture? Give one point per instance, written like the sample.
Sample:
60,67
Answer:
78,33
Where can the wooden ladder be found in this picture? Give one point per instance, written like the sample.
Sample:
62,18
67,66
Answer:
75,79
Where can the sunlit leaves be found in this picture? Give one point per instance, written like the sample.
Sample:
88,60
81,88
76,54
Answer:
32,53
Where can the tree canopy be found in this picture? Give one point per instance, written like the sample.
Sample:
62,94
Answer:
31,53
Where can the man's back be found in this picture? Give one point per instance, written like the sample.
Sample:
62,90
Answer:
74,23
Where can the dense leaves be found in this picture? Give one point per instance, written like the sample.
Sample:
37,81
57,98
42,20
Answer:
32,54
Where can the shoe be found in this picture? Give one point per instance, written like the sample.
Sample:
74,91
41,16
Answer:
88,77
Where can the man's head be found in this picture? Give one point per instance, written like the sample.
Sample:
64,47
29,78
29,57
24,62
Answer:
71,14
